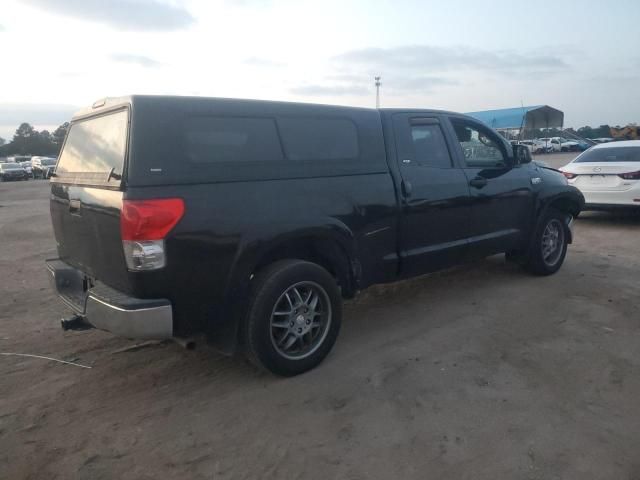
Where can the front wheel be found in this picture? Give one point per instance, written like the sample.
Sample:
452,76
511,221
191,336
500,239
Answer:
549,246
294,317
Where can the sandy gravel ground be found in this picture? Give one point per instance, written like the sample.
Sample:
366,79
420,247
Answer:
480,372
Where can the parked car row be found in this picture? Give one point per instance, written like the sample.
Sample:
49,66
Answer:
561,144
25,167
12,171
43,166
536,146
554,144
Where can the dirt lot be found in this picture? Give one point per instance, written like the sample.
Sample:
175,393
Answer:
478,372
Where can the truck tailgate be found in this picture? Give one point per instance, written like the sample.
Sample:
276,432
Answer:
86,197
86,224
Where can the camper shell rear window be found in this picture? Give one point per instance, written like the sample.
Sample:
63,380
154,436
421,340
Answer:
94,150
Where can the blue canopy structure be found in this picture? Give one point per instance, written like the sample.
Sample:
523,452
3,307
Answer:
521,118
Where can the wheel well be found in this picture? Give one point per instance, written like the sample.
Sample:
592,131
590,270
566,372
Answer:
326,253
566,205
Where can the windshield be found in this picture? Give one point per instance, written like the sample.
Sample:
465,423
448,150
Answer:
614,154
48,161
94,148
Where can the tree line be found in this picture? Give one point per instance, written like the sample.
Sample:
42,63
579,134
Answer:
28,141
602,131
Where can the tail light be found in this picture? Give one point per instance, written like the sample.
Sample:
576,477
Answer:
144,224
630,175
570,176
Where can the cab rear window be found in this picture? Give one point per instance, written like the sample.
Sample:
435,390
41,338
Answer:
94,150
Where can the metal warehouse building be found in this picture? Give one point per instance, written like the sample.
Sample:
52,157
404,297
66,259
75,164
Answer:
510,121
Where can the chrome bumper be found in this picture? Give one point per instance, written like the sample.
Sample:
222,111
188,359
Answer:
109,309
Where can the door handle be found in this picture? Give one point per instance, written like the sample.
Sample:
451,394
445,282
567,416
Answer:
406,188
74,207
478,182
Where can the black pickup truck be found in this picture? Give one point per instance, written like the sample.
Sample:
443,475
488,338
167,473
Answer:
249,221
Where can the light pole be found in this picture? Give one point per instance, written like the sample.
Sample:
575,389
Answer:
377,79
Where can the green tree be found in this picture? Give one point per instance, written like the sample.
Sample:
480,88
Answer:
586,132
23,139
28,141
59,134
602,131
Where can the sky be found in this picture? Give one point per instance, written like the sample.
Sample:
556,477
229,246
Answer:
461,55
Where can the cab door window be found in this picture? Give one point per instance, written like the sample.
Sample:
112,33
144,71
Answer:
480,148
429,146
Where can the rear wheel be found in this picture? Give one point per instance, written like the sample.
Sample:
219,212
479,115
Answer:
549,246
294,317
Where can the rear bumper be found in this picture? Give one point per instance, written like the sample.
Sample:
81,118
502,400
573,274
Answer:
629,197
611,207
109,309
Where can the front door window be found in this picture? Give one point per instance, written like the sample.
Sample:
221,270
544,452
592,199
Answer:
480,148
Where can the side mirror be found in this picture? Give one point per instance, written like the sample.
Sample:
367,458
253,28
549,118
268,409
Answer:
521,154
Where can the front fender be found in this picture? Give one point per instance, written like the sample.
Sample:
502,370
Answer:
565,198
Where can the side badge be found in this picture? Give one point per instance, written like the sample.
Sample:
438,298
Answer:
535,180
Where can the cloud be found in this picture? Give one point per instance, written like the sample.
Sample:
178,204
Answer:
13,114
139,60
263,62
352,84
416,84
17,113
249,3
422,69
329,90
439,59
352,78
145,15
2,29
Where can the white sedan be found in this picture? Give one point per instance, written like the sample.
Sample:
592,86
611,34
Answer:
608,175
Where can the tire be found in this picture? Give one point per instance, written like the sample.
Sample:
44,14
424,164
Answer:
310,321
547,253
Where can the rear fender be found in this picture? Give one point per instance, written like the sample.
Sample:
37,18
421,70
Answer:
334,240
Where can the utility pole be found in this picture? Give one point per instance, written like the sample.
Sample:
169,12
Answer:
377,79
